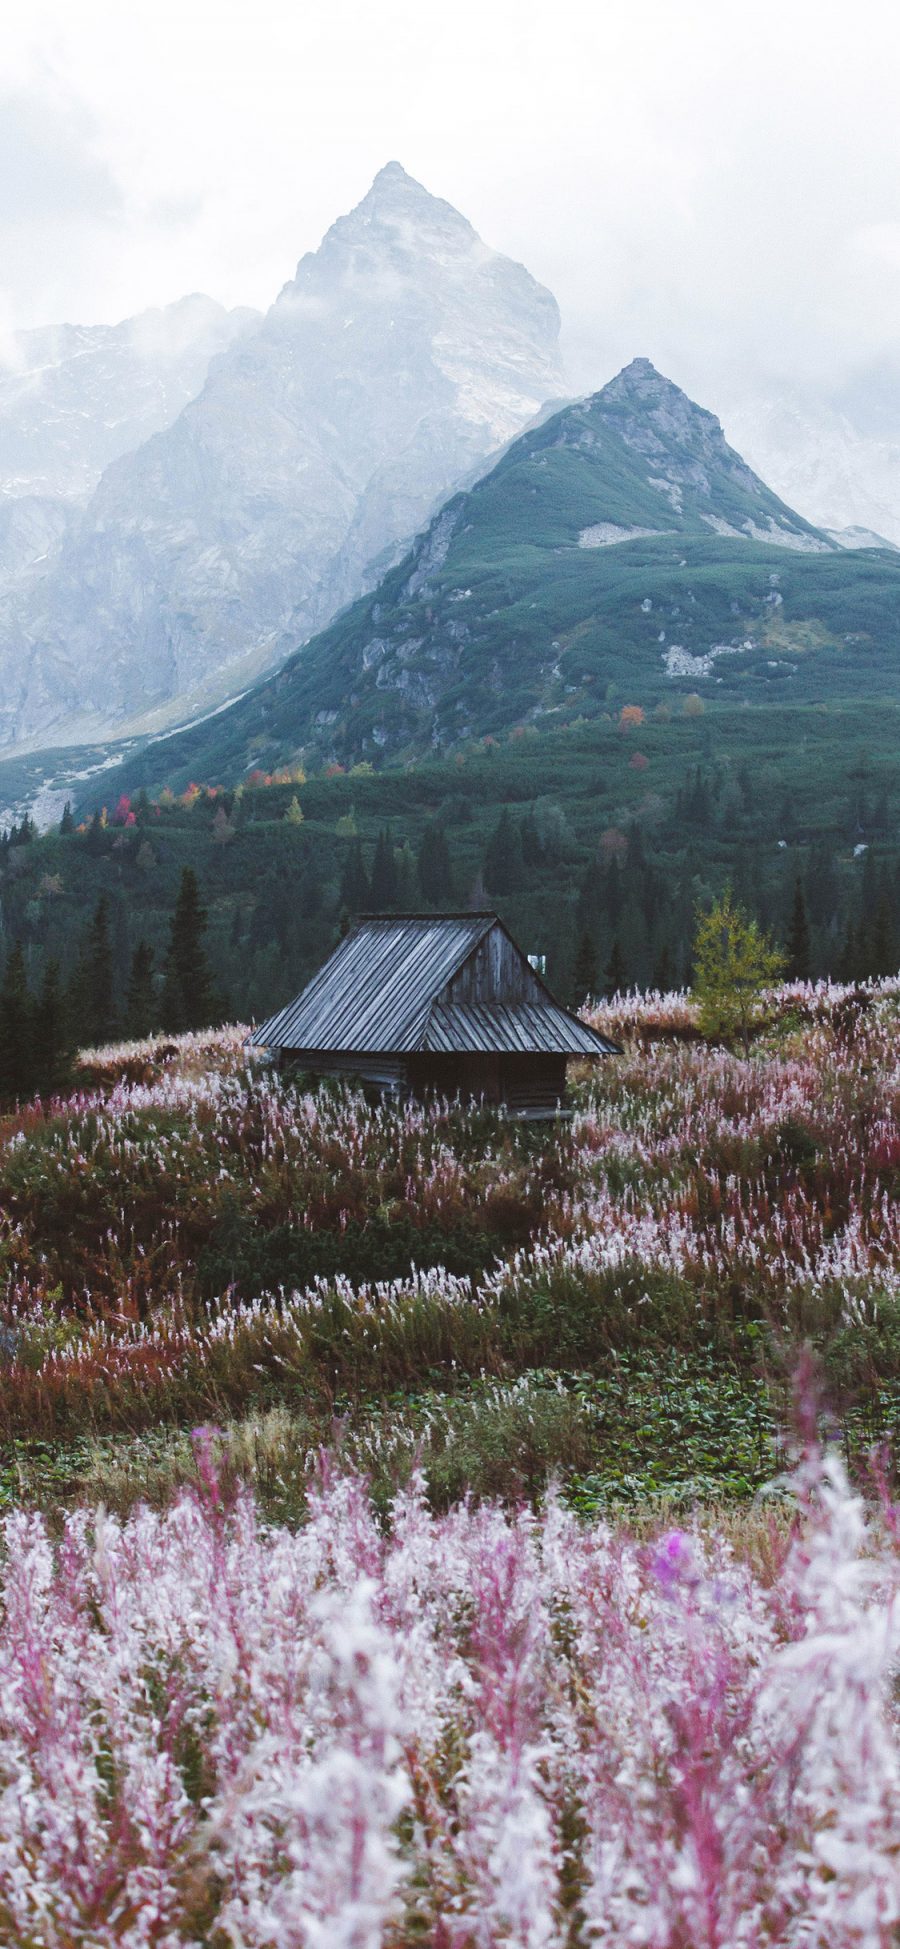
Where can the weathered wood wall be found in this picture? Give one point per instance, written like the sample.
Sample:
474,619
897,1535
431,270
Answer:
495,972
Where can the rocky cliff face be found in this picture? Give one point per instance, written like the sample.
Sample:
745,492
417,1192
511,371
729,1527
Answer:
75,397
618,552
402,354
685,461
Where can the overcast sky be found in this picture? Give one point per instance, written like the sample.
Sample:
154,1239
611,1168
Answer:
712,184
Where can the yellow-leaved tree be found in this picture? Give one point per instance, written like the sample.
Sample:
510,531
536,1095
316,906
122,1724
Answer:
734,961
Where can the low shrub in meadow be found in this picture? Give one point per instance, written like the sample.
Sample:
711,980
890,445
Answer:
211,1241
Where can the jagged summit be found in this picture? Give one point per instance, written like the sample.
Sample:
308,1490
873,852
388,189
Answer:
395,183
400,357
618,549
640,370
400,220
642,386
394,172
683,471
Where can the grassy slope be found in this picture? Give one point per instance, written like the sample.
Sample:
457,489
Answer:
498,615
735,1199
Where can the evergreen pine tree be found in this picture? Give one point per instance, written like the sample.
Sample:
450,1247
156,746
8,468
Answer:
869,887
532,843
407,878
662,972
141,1005
882,944
588,909
384,874
634,852
50,1060
309,891
822,888
67,823
504,867
16,1029
848,967
99,984
584,973
435,873
614,974
611,894
187,1001
355,892
798,948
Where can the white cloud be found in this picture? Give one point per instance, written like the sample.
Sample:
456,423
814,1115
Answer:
716,187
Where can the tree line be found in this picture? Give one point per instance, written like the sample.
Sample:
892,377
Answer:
41,1030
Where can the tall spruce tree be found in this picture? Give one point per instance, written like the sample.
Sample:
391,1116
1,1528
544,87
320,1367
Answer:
532,842
881,942
50,1051
584,972
356,893
435,873
504,867
384,874
187,1001
17,1063
662,970
141,1004
99,984
798,965
615,973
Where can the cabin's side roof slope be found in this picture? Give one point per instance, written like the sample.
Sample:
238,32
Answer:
375,991
377,994
511,1028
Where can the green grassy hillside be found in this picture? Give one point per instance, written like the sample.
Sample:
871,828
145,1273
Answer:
619,553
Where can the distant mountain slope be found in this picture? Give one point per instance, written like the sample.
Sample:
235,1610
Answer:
621,552
825,458
402,354
73,398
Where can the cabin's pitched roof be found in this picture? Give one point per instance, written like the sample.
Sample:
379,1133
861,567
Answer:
378,993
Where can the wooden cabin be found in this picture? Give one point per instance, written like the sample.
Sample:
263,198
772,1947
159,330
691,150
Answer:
425,1004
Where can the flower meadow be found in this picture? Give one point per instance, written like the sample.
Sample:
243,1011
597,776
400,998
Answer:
481,1728
402,1543
189,1237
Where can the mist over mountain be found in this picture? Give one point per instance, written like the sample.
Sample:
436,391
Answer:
619,553
835,456
402,354
75,397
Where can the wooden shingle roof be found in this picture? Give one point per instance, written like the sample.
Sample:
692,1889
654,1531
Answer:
380,992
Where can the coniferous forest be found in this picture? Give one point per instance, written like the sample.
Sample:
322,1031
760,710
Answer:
597,846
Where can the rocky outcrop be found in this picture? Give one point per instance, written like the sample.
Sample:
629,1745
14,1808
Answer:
73,398
402,354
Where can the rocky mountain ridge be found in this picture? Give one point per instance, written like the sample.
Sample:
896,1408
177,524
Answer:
402,354
73,398
619,553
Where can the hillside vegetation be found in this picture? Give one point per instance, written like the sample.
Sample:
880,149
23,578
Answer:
613,831
333,1665
187,1237
620,552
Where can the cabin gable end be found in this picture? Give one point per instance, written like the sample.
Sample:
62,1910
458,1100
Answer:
495,971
